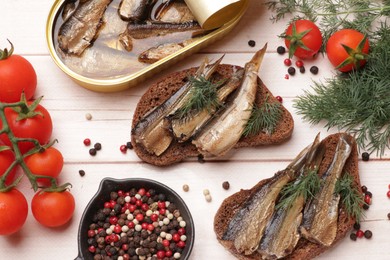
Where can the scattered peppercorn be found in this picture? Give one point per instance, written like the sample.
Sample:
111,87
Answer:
279,98
356,226
368,234
87,142
368,193
226,185
201,158
299,63
365,156
98,146
129,145
388,194
88,116
291,71
353,236
314,70
359,233
286,76
287,62
123,148
364,189
82,173
208,198
366,206
251,43
281,50
206,192
186,187
388,215
92,151
302,69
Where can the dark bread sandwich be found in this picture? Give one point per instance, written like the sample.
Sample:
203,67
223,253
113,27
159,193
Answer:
163,134
276,219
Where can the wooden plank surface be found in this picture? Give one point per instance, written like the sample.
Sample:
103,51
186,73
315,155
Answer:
23,22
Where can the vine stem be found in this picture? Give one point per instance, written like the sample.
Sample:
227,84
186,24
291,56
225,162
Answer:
19,157
383,8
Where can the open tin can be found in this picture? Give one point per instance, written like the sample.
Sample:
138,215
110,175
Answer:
101,80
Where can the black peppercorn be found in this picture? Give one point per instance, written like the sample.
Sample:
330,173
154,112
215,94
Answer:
353,236
251,43
98,146
365,156
291,71
356,226
388,215
366,206
129,145
82,173
92,151
281,50
226,185
314,70
201,158
364,189
368,234
369,194
302,69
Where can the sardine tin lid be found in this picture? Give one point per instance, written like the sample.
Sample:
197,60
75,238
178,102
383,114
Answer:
127,81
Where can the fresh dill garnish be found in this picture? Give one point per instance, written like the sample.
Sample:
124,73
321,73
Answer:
357,102
264,118
306,185
332,15
203,95
350,196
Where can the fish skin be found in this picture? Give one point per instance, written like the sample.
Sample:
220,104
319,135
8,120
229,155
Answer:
320,226
184,129
176,12
68,9
151,131
224,131
282,232
133,10
81,28
146,30
243,230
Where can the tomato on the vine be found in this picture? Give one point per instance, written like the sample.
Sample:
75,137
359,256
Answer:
13,211
48,162
17,75
37,124
303,39
7,157
347,49
53,209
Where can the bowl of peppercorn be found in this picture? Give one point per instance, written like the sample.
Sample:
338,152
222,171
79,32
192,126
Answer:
135,219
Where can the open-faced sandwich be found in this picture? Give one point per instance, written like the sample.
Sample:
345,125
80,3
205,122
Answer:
207,111
301,211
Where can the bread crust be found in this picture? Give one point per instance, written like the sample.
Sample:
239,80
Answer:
164,88
304,249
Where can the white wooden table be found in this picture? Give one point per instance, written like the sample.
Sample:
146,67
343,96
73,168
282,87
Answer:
23,22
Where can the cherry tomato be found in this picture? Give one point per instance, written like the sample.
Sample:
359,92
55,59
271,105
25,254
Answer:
47,163
38,127
343,59
7,157
13,211
17,75
303,39
53,209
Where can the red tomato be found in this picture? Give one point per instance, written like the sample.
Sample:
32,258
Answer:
53,209
338,55
13,211
17,75
303,39
7,157
47,163
38,127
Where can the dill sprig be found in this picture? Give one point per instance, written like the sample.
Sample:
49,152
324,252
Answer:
350,196
333,15
203,95
264,118
306,185
357,102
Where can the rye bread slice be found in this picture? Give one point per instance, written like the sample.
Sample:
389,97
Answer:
164,88
304,249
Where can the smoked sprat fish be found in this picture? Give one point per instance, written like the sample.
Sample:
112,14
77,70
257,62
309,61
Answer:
321,213
151,131
81,28
224,131
133,10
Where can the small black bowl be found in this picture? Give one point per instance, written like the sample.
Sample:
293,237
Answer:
103,194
